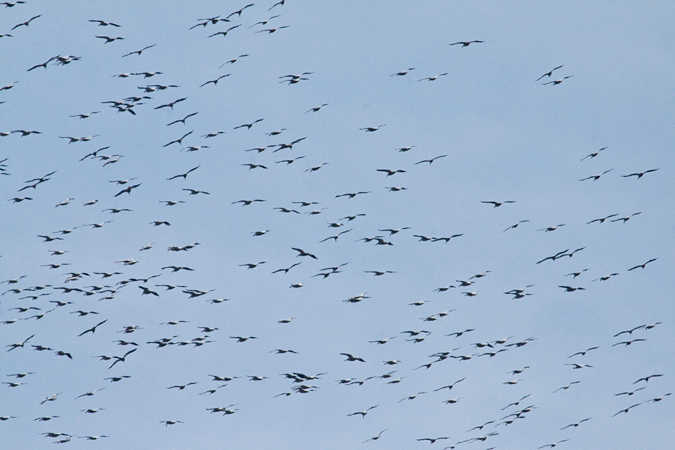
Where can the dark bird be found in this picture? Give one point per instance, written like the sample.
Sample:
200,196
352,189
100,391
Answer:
594,154
584,352
109,39
639,174
352,358
215,81
172,104
26,23
627,343
138,52
352,194
248,125
179,141
642,266
224,33
574,425
128,189
183,119
627,218
121,358
92,330
466,43
316,108
646,379
402,73
301,252
272,30
516,225
548,74
625,411
601,219
497,204
430,160
103,23
557,82
238,12
184,175
554,444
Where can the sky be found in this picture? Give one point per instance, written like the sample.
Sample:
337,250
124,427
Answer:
486,150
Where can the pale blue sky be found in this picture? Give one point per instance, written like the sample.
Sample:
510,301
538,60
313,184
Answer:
505,137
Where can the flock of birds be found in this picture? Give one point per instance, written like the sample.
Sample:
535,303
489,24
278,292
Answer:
52,293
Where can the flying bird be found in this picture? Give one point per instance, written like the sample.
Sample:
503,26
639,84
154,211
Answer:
549,73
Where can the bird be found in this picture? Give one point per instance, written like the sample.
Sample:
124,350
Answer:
647,378
224,33
85,116
19,344
376,437
272,30
497,204
316,108
214,81
248,202
627,343
239,11
109,39
554,444
121,358
583,353
596,177
362,413
639,174
279,3
601,219
352,194
626,218
372,129
180,140
92,330
184,175
180,387
301,252
195,191
430,160
138,52
234,60
183,119
516,225
172,104
564,388
26,23
169,422
594,154
549,73
557,82
625,411
578,366
433,78
248,125
352,358
642,266
433,440
466,43
552,228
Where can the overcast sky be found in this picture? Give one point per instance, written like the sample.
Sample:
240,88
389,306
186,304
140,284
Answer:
460,126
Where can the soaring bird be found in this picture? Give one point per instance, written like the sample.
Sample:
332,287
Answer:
466,43
549,73
639,174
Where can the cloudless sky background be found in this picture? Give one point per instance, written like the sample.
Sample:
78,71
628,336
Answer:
502,135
